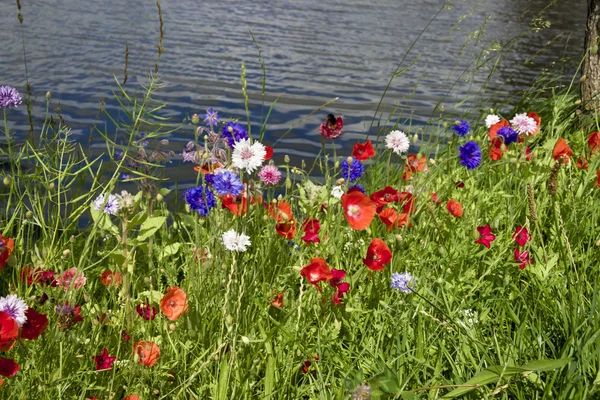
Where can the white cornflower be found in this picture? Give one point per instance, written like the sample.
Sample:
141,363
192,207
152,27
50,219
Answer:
15,307
397,141
108,205
491,119
248,156
523,124
235,242
337,192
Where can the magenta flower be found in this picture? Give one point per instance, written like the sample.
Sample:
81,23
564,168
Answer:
337,275
521,236
269,175
339,292
71,278
485,235
146,311
103,360
522,258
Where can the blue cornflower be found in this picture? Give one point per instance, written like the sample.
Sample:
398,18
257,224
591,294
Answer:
403,282
470,155
508,134
354,171
234,132
211,117
227,182
461,128
200,200
9,97
360,188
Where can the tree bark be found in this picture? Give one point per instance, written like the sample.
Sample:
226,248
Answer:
590,81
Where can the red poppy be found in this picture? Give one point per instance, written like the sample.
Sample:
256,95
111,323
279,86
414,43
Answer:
389,216
208,168
337,275
378,255
281,211
521,235
286,229
277,302
146,311
562,151
582,163
384,196
594,142
454,208
132,397
148,352
8,367
9,330
7,245
237,205
497,148
174,303
332,127
537,119
340,290
416,164
522,258
103,360
406,200
497,126
459,184
35,325
268,153
125,336
528,154
485,235
311,229
363,151
316,272
435,199
109,278
359,210
306,366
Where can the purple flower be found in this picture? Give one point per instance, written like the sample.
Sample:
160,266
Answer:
403,282
357,187
141,140
226,182
234,132
461,128
9,97
211,117
200,200
470,155
352,171
508,134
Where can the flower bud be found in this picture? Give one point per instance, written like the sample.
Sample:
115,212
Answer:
66,253
229,320
195,119
349,160
28,215
245,340
286,159
415,138
51,186
48,95
7,180
172,327
340,181
159,197
288,183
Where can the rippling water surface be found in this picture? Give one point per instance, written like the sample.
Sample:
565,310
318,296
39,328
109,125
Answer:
313,50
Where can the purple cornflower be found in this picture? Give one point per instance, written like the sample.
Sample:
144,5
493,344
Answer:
200,200
352,171
403,282
15,307
226,182
508,134
9,97
211,117
108,205
470,155
461,128
234,132
360,188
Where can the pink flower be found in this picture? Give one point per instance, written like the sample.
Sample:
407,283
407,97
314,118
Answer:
269,175
71,278
522,258
485,235
521,235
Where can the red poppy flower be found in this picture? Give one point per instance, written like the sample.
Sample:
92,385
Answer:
316,272
594,142
406,200
103,360
389,216
332,127
528,154
268,153
378,255
286,229
306,366
384,196
522,258
537,119
454,208
174,303
8,367
148,352
125,336
497,148
277,302
132,397
109,278
497,126
337,275
7,245
359,210
435,199
582,163
9,330
340,290
485,235
363,151
281,211
35,325
459,184
562,151
237,205
416,164
311,229
521,235
146,311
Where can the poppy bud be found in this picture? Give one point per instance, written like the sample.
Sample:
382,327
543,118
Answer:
7,180
28,215
66,253
51,186
172,327
245,340
339,181
349,160
286,159
415,138
195,119
288,183
159,197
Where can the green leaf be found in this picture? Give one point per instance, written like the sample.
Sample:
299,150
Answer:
138,219
546,365
153,296
409,396
103,221
482,378
169,250
150,226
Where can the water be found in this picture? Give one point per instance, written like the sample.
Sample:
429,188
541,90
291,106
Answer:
313,50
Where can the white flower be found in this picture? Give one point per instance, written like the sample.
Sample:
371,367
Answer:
491,119
235,242
248,157
397,141
337,192
15,307
523,124
108,206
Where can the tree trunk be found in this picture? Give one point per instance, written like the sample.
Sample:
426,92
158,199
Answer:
590,81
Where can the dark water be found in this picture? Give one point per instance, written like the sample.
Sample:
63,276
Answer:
313,51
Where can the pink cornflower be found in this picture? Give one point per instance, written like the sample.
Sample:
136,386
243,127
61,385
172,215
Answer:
71,278
269,175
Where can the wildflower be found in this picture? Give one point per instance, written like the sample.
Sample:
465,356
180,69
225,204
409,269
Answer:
337,275
226,182
597,178
147,352
497,126
594,142
35,325
397,141
9,331
8,367
528,154
538,122
248,156
406,200
403,282
103,360
454,208
384,196
277,302
363,151
522,258
461,128
524,124
200,200
146,311
311,229
562,151
337,192
234,241
470,155
110,278
491,119
71,278
132,397
362,392
211,118
269,175
125,336
582,163
435,199
340,290
15,307
316,272
6,247
332,127
508,134
359,210
286,229
268,153
485,235
352,170
234,132
9,97
108,205
174,303
414,163
378,255
68,316
357,188
497,148
521,235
